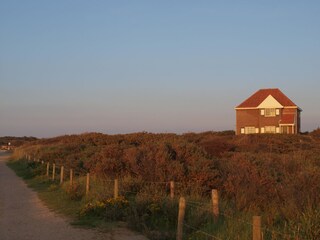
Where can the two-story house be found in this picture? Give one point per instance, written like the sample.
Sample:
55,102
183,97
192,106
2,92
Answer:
268,111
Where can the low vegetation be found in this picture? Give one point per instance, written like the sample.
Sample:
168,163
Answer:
15,141
275,176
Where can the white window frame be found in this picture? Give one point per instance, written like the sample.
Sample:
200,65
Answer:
262,130
242,130
277,111
262,112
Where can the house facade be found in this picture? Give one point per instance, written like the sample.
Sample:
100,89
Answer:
268,111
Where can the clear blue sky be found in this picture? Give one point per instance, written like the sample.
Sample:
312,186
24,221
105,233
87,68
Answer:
159,66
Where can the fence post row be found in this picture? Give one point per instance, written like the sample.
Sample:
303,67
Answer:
71,177
53,171
61,174
48,166
116,188
172,189
256,228
182,209
88,184
215,203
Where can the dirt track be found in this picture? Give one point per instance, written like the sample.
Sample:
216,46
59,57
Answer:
24,217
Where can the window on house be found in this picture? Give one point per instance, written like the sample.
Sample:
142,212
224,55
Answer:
262,112
270,112
277,111
270,129
250,130
242,130
262,130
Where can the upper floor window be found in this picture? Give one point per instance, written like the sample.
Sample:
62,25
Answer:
270,112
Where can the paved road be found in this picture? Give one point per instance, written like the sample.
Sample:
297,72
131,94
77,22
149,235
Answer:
24,217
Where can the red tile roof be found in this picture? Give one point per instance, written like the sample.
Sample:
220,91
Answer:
258,97
287,119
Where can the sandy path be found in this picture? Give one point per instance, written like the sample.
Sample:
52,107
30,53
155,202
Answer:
24,217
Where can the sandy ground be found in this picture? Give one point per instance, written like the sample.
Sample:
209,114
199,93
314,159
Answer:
24,217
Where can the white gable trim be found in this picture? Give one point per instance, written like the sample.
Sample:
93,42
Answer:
270,102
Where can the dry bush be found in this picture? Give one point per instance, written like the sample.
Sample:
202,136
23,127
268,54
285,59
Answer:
274,174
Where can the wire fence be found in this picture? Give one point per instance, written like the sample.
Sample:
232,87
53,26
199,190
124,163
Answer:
201,219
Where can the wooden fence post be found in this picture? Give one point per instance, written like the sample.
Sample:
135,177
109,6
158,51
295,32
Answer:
172,189
71,177
88,184
116,188
48,167
215,203
53,171
61,174
182,209
256,228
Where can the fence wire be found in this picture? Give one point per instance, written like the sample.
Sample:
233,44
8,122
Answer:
102,184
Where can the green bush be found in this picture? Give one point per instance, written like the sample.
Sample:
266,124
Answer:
113,209
53,187
75,191
157,217
95,209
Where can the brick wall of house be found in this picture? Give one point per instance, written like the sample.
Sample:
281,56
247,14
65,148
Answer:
299,122
246,118
269,121
294,111
289,110
253,118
